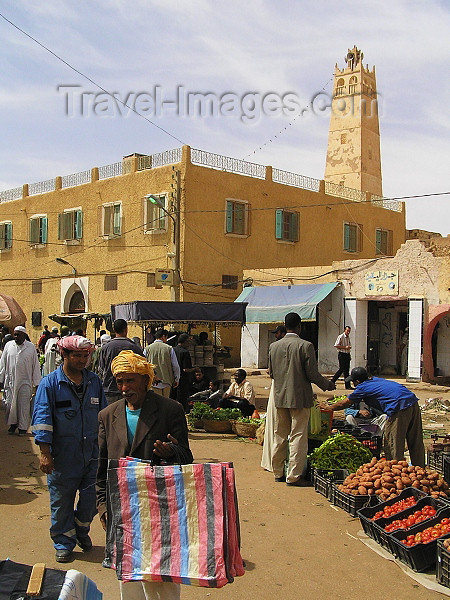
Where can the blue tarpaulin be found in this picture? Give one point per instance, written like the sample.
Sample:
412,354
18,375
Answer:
270,304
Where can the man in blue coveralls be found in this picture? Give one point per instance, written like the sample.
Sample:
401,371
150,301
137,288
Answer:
401,406
65,426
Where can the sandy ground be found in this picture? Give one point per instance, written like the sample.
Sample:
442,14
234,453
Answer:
294,542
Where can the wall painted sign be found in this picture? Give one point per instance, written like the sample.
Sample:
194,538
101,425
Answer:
381,283
164,276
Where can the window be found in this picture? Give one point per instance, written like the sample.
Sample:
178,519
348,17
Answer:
383,242
236,219
36,286
230,282
343,138
340,87
352,84
5,235
151,280
36,318
112,219
154,215
286,225
70,225
110,283
352,237
38,230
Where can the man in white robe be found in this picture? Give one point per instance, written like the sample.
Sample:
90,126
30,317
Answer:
19,374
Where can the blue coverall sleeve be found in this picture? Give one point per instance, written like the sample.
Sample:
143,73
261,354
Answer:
42,420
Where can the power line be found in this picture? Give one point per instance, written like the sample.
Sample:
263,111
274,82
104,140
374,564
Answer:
90,80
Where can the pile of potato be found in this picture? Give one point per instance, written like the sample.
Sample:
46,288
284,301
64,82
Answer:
387,478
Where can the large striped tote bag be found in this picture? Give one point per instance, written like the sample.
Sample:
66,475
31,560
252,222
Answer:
175,523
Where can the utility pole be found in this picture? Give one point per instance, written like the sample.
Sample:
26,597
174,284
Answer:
174,214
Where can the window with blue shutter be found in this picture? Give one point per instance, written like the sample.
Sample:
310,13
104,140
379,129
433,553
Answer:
70,225
236,217
352,237
383,242
38,231
286,225
5,235
117,219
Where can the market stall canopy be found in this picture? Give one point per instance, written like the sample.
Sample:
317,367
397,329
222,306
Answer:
270,304
70,319
180,312
11,315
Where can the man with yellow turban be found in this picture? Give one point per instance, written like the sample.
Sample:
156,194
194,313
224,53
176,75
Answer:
144,425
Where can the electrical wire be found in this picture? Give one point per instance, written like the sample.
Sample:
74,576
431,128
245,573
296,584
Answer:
90,80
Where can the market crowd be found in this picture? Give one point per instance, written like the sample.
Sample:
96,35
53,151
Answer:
112,399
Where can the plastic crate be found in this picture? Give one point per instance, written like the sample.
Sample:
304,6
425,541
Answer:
373,442
383,537
442,564
421,556
366,514
349,502
322,480
435,460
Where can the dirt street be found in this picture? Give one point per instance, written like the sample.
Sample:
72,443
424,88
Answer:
294,542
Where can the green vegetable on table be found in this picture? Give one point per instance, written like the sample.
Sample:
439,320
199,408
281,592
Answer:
341,451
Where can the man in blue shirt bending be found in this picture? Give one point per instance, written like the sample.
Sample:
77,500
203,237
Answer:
401,406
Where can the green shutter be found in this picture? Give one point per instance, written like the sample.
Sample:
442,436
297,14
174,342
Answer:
347,237
34,231
279,224
60,226
44,229
378,238
117,219
239,217
8,235
78,231
293,227
229,217
352,229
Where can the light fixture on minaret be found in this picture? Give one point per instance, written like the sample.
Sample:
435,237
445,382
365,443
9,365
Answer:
353,156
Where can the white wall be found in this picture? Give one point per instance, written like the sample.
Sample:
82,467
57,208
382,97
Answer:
250,345
356,318
331,324
415,325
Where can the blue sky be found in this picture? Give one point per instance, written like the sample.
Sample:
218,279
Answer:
234,48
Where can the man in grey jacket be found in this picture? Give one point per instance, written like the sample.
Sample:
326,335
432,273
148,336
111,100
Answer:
293,367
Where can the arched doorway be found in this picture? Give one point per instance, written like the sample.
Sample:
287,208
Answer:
77,303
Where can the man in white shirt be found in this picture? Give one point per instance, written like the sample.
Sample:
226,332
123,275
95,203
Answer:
19,374
343,347
240,394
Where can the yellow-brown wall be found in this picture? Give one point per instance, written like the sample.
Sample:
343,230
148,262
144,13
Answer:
207,252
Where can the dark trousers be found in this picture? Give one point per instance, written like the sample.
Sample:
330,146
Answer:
181,393
244,405
344,368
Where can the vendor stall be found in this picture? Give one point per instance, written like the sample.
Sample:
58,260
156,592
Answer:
153,314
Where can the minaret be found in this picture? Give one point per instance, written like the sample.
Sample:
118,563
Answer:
353,156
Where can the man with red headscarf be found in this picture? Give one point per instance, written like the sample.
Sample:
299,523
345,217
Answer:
65,426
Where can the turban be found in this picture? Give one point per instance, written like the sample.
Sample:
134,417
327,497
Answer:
75,342
20,328
129,362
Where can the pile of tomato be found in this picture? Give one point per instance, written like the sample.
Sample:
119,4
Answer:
395,508
429,534
417,517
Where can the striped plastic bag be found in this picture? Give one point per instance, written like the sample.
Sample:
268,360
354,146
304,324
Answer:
173,523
